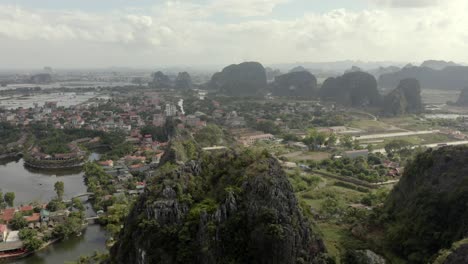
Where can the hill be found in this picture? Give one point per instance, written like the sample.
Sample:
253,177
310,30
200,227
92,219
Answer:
245,79
405,99
427,210
448,78
295,84
225,207
355,89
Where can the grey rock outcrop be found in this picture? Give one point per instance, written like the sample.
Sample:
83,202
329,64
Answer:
248,216
357,89
405,99
295,84
245,79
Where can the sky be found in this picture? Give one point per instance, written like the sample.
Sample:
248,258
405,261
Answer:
149,33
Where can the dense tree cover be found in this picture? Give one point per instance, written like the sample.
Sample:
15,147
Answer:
8,133
98,182
30,239
55,205
209,136
399,147
9,198
72,226
158,133
255,224
426,211
360,168
268,126
18,222
316,140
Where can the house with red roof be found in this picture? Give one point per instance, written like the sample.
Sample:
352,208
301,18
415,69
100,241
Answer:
7,215
34,218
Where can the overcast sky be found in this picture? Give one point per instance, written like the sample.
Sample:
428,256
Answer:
144,33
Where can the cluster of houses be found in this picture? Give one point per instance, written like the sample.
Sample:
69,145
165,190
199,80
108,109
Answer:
121,172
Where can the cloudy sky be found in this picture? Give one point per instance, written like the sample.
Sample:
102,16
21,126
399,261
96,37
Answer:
146,33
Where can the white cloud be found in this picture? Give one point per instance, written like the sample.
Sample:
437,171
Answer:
406,3
246,8
184,33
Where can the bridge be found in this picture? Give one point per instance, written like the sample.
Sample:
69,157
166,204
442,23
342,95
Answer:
92,219
89,194
83,195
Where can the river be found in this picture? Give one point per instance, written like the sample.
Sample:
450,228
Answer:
33,185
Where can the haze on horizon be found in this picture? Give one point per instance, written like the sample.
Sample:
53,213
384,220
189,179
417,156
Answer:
145,33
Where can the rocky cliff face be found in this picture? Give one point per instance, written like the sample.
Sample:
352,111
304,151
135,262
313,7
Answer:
427,210
183,81
405,99
295,84
232,207
160,80
463,98
245,79
353,89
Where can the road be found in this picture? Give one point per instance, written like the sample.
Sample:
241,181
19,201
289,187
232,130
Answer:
397,134
442,144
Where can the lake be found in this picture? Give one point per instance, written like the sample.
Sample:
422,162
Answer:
34,185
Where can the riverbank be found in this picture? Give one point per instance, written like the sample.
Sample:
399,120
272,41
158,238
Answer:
10,155
45,166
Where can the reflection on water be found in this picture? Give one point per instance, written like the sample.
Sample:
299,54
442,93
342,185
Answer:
93,239
37,185
63,99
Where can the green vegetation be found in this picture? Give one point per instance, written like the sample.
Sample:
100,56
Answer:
369,170
158,133
9,198
425,212
59,189
209,136
18,222
8,133
253,222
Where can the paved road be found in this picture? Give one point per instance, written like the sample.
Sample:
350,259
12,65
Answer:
397,134
442,144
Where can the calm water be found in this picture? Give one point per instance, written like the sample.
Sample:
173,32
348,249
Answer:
37,185
33,185
93,239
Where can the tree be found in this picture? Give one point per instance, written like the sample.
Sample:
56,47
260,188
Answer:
18,222
2,202
59,189
78,204
33,244
315,140
55,205
398,146
210,135
347,142
9,198
27,233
